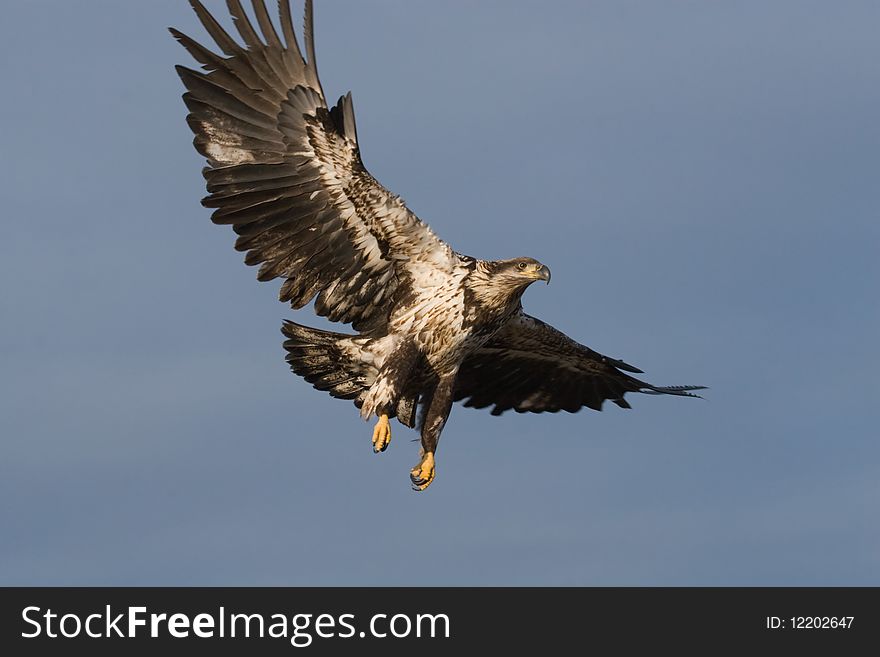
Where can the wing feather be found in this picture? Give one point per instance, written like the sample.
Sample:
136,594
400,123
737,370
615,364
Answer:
285,171
529,366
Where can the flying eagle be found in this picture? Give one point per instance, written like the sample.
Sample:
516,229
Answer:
433,326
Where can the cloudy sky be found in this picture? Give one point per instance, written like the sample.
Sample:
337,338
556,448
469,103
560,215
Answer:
702,178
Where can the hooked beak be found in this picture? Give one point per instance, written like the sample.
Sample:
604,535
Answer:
543,274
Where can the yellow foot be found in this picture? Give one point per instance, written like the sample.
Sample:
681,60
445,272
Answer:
423,474
381,434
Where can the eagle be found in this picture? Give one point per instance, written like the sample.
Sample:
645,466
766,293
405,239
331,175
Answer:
432,326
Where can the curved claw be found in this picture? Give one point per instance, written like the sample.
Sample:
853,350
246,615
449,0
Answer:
381,435
423,474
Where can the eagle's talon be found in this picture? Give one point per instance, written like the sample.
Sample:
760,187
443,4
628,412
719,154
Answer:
422,475
381,434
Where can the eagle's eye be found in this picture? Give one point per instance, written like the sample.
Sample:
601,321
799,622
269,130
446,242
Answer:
521,266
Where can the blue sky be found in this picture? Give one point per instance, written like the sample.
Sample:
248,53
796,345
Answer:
702,178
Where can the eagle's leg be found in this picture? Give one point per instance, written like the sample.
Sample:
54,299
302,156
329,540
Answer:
435,417
381,434
384,393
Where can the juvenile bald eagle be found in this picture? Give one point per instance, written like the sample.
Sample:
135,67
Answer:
433,326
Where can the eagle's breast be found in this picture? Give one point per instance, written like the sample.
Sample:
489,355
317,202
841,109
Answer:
440,315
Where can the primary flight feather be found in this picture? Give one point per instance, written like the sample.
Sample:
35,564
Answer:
433,326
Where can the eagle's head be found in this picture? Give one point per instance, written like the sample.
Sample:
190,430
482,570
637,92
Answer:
499,284
521,272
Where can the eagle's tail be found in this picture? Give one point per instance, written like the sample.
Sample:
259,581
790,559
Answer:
330,361
321,358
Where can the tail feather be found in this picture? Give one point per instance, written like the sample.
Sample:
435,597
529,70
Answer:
318,357
325,359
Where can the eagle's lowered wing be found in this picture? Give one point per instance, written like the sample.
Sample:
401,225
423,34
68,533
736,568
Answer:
530,366
285,171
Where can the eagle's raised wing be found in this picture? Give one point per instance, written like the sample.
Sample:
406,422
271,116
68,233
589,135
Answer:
530,366
285,171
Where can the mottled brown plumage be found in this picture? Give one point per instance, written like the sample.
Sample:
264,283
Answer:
434,326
